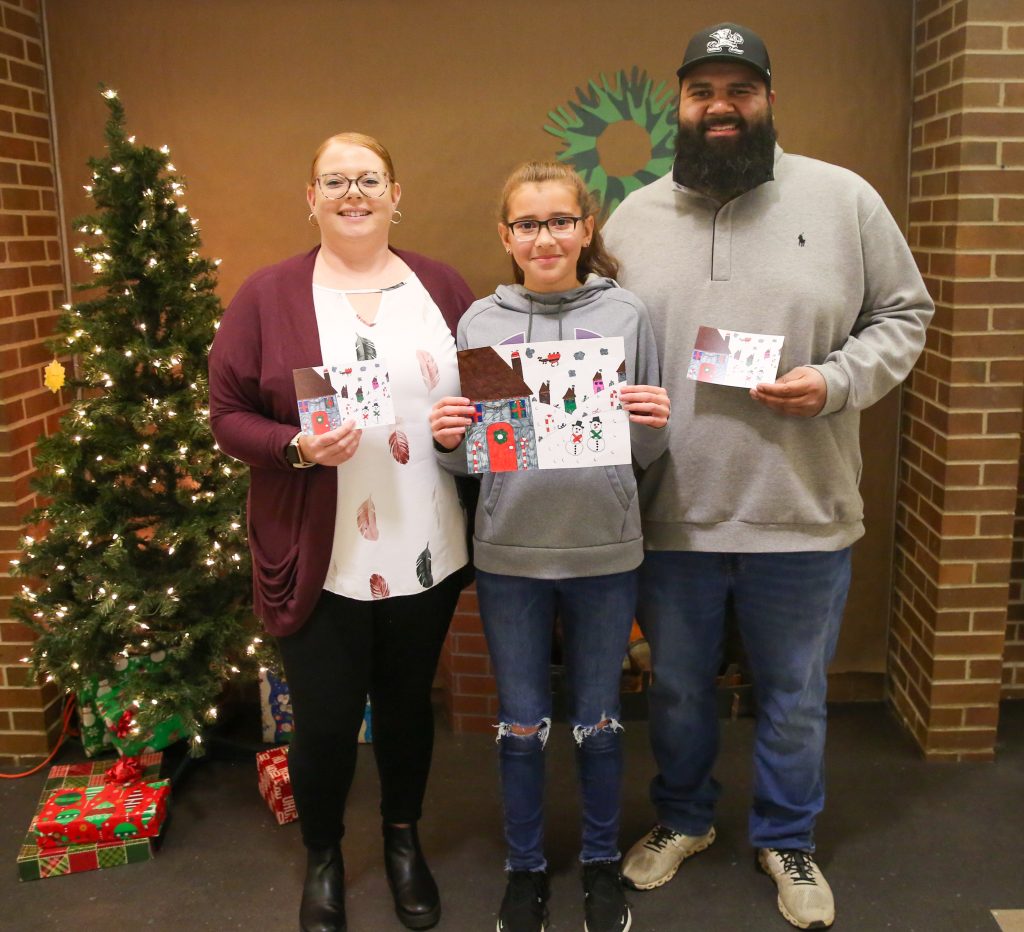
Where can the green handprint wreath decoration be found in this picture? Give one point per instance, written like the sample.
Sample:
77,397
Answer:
635,99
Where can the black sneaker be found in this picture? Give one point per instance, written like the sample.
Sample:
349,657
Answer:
604,902
524,908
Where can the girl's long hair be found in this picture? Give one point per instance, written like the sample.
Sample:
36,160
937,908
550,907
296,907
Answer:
593,258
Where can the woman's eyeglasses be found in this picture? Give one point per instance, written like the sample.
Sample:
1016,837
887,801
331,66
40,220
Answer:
335,186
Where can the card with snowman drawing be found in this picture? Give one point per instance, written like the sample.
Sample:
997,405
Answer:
732,357
547,405
331,393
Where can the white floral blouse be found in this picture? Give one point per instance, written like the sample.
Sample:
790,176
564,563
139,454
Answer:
399,528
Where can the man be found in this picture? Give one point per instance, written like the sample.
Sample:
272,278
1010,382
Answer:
756,505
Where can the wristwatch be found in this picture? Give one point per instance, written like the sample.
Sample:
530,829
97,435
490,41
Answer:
293,453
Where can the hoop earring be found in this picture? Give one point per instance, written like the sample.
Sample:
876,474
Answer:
397,214
312,219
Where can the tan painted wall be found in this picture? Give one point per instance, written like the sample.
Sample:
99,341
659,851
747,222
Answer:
244,90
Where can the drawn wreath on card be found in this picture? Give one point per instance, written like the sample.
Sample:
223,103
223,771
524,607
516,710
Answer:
501,436
633,98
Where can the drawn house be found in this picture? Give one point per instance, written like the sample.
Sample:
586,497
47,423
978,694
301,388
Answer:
710,354
598,382
317,400
569,400
544,394
620,373
502,437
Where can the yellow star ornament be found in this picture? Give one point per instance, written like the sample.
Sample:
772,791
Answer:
54,377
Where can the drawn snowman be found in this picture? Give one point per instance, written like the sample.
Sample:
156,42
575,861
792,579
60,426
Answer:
575,442
596,439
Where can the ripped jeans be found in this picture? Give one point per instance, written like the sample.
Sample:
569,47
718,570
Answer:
518,616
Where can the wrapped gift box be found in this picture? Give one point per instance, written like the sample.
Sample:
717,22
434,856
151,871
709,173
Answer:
81,815
276,711
118,712
366,729
275,784
93,730
275,708
36,864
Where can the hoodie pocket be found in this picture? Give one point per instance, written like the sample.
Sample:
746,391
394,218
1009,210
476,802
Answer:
493,481
615,480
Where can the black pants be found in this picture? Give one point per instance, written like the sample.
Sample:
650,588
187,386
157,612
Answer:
346,650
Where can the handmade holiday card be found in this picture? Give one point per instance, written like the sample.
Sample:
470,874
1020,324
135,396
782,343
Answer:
731,357
550,405
328,395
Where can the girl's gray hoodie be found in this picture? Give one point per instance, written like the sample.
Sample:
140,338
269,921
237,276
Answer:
562,523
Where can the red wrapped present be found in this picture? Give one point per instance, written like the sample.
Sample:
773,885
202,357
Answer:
35,863
112,812
275,784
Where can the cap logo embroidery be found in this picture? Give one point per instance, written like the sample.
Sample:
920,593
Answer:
725,40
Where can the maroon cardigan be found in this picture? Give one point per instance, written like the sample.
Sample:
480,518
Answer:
268,330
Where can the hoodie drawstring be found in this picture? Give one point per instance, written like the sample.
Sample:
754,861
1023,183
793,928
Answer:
529,323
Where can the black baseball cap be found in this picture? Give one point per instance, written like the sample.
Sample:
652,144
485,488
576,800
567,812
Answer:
728,42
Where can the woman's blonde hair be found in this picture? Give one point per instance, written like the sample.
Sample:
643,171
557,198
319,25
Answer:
353,139
593,258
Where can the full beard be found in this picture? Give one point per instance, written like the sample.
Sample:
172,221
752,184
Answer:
725,168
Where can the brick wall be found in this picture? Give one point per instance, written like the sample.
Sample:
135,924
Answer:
31,286
961,453
1013,655
471,698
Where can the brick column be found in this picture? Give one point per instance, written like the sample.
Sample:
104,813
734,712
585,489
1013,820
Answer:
1013,655
470,695
31,286
961,449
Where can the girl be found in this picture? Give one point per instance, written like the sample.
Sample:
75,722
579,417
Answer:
560,542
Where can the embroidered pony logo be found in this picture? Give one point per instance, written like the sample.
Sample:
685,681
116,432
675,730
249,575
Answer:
725,40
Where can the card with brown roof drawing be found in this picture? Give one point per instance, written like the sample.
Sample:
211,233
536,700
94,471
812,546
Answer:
329,394
546,405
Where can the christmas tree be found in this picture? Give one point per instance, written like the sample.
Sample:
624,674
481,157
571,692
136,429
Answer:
138,567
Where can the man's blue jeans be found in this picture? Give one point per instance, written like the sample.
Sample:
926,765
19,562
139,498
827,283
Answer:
788,607
518,615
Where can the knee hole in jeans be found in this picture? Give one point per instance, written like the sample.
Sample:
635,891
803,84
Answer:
513,730
609,726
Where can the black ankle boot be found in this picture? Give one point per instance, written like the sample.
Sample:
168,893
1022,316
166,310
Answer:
417,901
323,894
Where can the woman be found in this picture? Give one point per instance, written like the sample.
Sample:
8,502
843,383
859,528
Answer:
581,566
357,536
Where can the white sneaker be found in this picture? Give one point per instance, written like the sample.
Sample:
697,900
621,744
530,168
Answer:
805,898
656,857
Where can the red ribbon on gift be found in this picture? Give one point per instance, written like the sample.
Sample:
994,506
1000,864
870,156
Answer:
124,724
127,770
